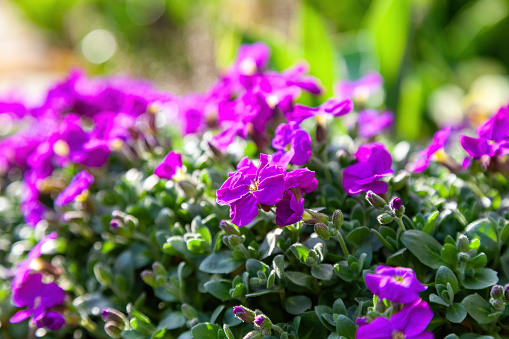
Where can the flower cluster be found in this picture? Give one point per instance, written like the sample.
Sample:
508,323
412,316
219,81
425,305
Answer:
397,285
250,188
30,290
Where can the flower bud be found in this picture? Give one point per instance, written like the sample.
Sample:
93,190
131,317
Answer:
235,240
228,332
188,311
463,257
244,314
312,217
229,228
375,200
149,278
337,219
262,321
310,261
506,293
396,203
463,243
384,218
497,291
113,330
497,304
116,223
322,230
112,315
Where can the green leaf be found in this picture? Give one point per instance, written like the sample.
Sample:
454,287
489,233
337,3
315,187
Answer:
322,310
479,261
172,321
431,222
504,233
300,251
322,271
345,326
343,271
358,235
486,232
219,289
297,305
483,278
426,248
253,266
478,308
300,279
220,262
445,275
310,327
205,331
339,307
279,265
437,300
456,313
450,255
383,240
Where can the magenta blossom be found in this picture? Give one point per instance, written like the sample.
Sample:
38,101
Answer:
493,137
362,88
171,164
426,155
370,122
409,323
374,162
334,106
79,183
38,298
289,210
293,144
249,186
395,284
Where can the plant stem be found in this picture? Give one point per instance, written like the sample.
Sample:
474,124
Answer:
343,245
400,223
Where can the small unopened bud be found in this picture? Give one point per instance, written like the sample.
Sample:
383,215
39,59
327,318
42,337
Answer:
116,223
375,200
361,321
189,312
337,219
384,218
497,291
463,243
497,304
397,207
235,240
113,330
229,228
312,217
322,230
463,257
112,315
262,321
310,261
244,314
149,278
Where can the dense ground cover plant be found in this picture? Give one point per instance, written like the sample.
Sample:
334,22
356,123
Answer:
248,211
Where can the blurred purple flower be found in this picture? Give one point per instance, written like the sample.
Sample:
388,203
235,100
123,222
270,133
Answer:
244,190
426,155
370,122
170,166
335,106
374,162
79,183
360,89
293,144
493,137
38,298
395,284
409,323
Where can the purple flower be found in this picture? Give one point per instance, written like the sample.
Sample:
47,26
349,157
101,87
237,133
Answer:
244,190
259,320
335,107
238,310
371,123
170,166
38,298
374,162
252,58
395,284
426,155
293,144
362,88
289,210
409,323
396,203
79,183
301,178
493,137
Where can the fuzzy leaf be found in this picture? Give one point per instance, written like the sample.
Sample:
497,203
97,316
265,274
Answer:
220,262
426,248
297,305
456,313
478,308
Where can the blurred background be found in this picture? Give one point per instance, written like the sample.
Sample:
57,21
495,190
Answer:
444,62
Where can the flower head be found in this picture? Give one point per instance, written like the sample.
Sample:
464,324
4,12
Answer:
336,107
371,123
293,144
360,89
249,186
79,183
395,284
409,323
170,166
289,210
374,162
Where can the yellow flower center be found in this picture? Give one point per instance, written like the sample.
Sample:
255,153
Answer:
116,144
398,335
61,148
248,66
398,278
253,187
179,175
440,155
